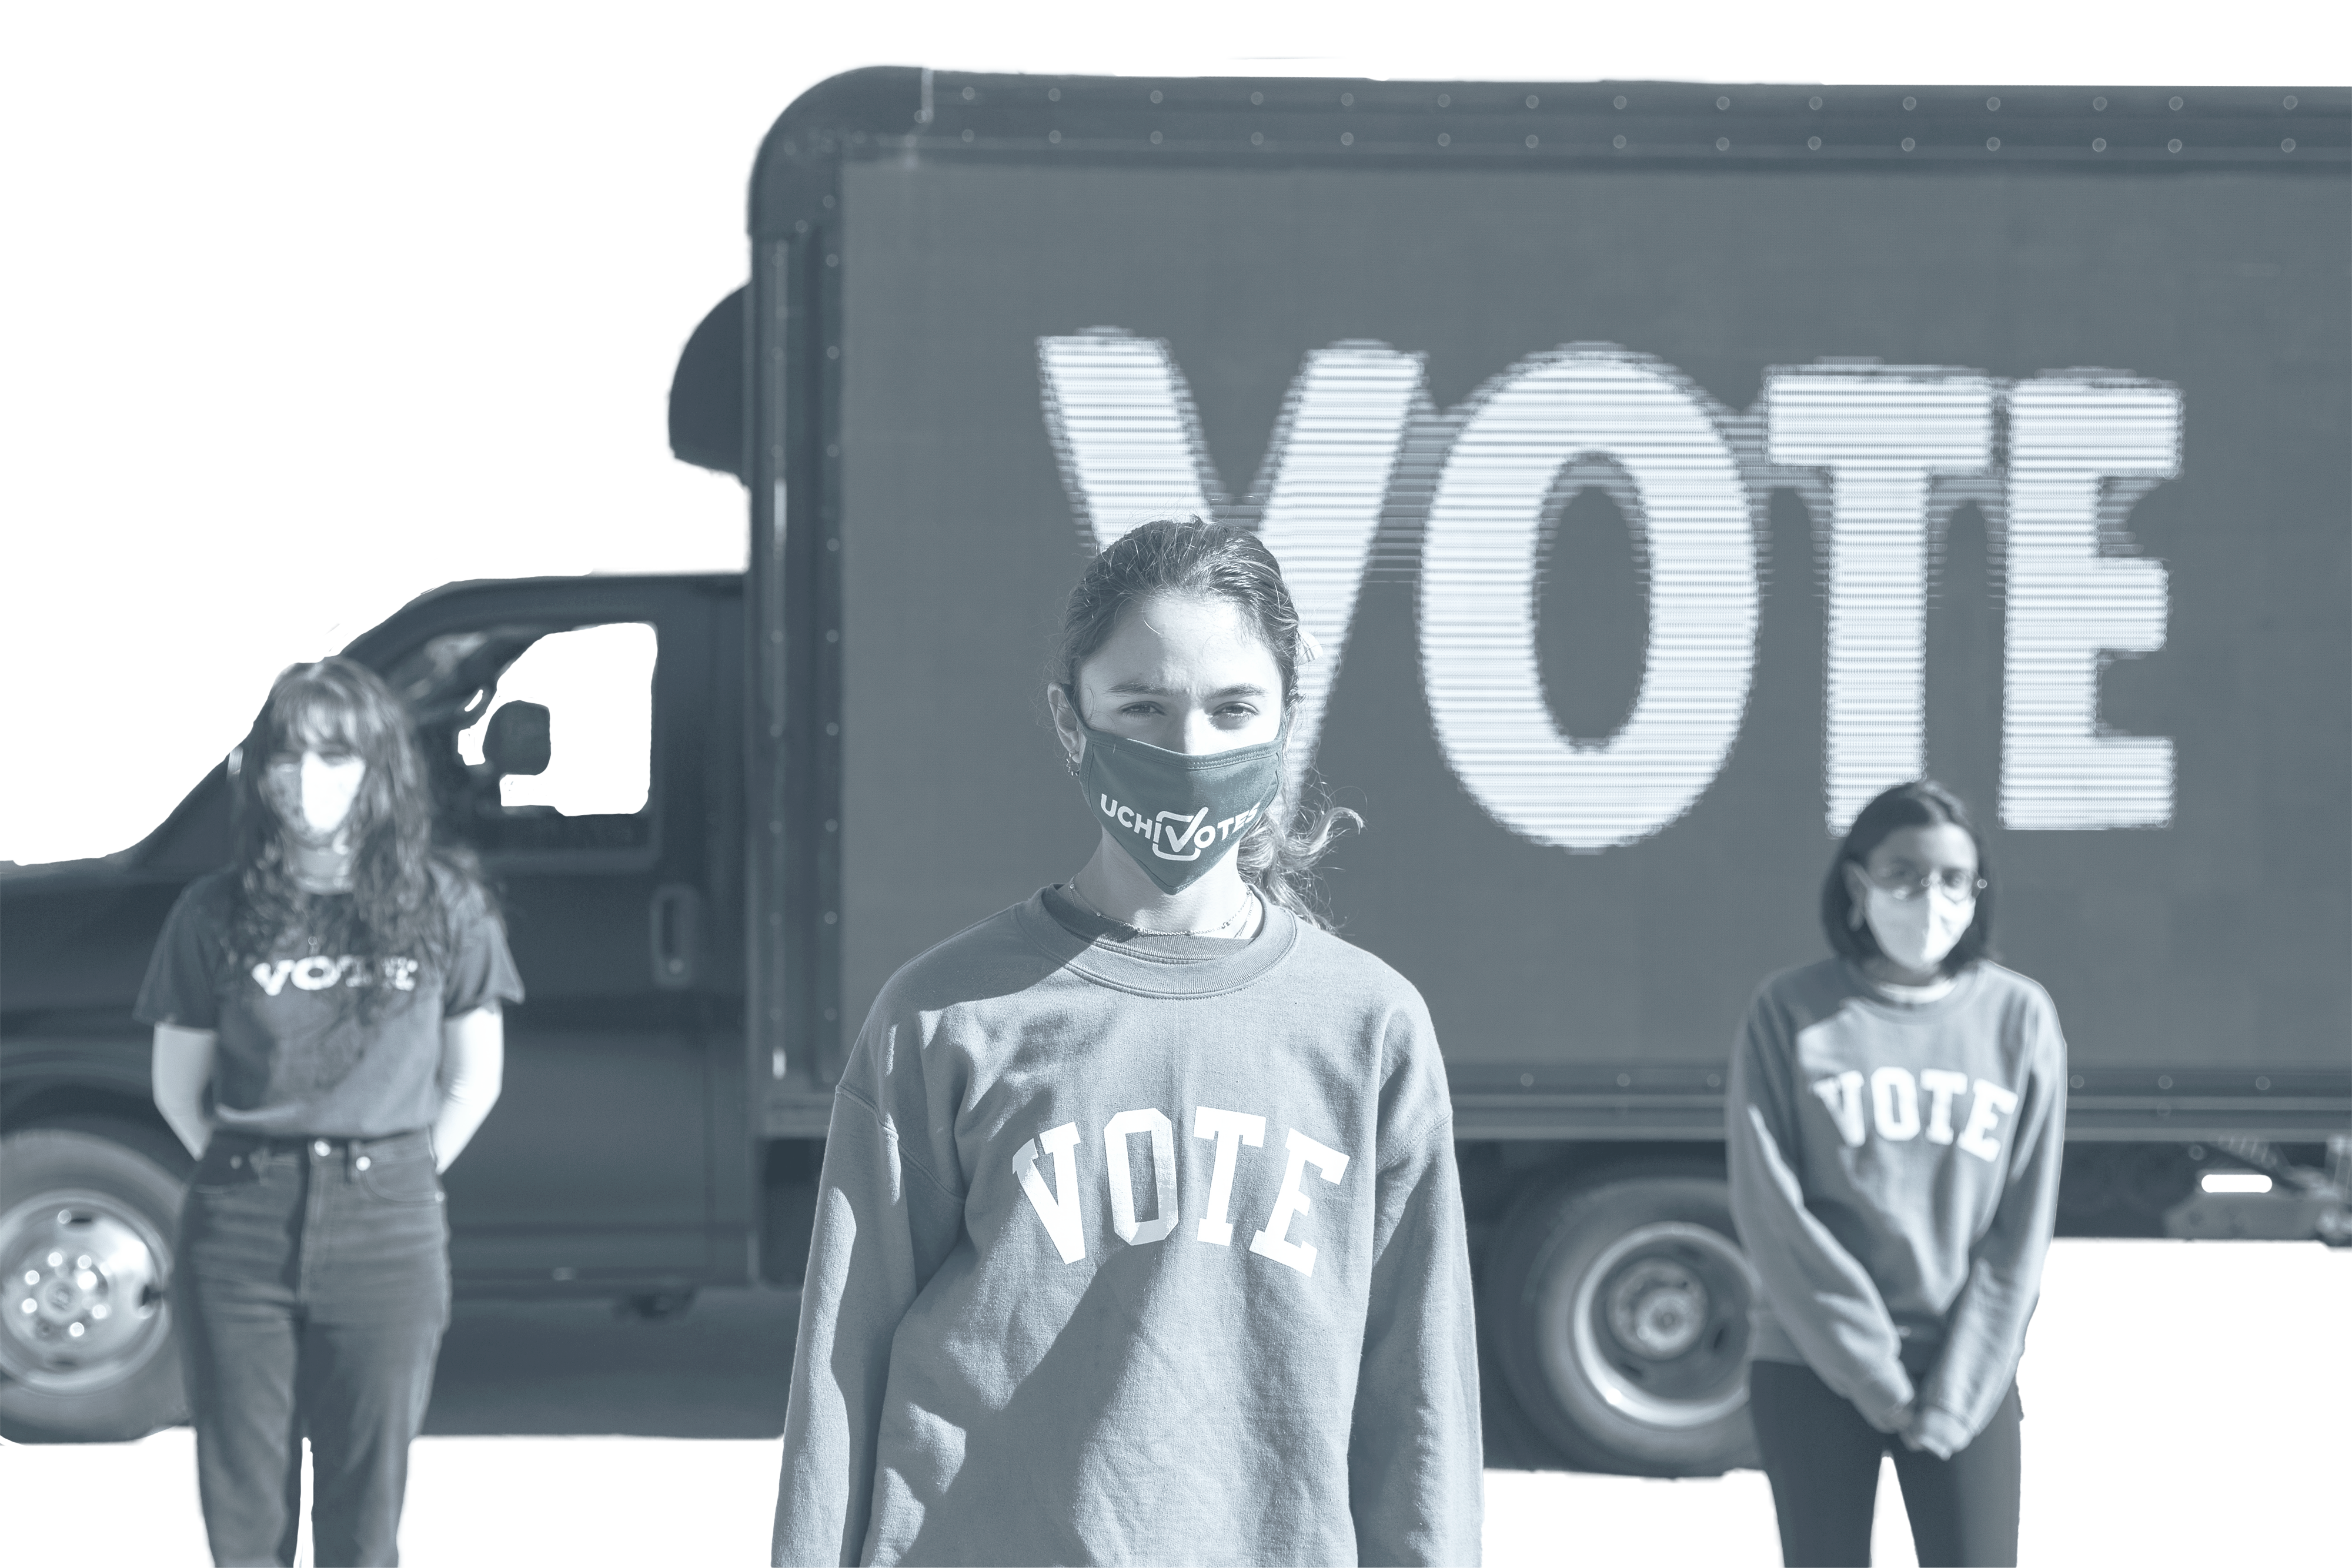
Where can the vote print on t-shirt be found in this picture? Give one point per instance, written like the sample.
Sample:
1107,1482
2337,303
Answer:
317,973
306,1005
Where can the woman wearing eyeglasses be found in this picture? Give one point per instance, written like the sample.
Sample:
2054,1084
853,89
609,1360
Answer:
1895,1121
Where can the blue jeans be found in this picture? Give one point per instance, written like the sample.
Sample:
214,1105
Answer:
313,1291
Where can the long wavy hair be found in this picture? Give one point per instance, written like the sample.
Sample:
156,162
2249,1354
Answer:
1188,557
402,884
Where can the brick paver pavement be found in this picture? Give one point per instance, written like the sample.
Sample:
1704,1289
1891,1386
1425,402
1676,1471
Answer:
563,1437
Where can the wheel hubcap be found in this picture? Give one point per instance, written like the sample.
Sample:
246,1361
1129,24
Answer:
82,1302
1658,1308
1657,1325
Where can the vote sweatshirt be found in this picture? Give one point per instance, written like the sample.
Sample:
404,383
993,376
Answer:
1137,1248
1895,1182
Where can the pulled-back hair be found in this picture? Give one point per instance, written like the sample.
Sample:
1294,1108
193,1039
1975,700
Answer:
1187,557
1922,804
401,884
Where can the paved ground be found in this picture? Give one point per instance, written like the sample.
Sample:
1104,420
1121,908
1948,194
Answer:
2184,1405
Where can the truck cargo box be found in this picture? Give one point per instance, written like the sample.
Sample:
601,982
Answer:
1665,469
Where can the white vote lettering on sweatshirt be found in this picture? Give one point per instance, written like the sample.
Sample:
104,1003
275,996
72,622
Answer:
1137,1249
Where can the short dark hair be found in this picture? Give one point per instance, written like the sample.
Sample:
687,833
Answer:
1922,804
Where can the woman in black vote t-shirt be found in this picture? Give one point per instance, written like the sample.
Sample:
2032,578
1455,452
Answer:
326,1039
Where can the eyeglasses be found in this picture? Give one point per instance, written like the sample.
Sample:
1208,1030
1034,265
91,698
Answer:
1960,886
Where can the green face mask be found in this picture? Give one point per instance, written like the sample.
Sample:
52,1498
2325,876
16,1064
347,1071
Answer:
1177,813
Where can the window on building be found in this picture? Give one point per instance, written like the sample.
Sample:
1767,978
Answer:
29,490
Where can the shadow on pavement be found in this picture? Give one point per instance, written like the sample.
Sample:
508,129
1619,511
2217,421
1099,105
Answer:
573,1368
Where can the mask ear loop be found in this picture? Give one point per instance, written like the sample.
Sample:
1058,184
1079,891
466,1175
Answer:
1853,911
1070,759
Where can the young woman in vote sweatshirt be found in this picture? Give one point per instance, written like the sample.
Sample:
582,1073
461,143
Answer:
1138,1237
1895,1120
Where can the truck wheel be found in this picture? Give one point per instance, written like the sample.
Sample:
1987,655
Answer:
86,1347
1619,1308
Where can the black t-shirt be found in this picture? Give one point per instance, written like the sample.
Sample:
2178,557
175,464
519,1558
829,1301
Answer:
295,1056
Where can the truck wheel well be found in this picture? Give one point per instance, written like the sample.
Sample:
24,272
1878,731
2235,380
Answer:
120,1117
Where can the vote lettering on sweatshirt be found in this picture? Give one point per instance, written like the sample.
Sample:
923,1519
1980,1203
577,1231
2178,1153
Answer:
1895,1095
1062,1206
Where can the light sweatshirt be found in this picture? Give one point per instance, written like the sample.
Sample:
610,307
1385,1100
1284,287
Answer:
1137,1248
1895,1182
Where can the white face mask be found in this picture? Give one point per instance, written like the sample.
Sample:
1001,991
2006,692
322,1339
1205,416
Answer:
1918,932
314,795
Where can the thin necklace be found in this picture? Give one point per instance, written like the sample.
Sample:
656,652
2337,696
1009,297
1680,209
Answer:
1237,918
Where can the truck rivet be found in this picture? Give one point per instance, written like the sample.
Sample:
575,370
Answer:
1531,143
1257,98
1992,103
1444,139
1992,143
1054,137
2173,145
1722,144
1257,138
2098,144
1347,138
1052,95
1618,142
1813,143
1908,144
1347,100
2288,101
2176,103
1910,103
1155,95
1533,100
967,95
2099,103
1809,103
1720,103
2288,145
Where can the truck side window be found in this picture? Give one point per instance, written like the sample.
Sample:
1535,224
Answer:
539,739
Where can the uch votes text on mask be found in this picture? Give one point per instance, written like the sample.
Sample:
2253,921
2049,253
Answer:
1866,446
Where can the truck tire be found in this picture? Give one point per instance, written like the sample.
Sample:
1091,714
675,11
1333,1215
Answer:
1618,1306
87,1223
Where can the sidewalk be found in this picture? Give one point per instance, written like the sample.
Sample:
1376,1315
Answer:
560,1438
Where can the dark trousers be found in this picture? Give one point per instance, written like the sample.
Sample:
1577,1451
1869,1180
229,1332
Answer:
312,1289
1822,1458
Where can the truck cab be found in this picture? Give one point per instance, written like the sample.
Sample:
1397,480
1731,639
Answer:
584,738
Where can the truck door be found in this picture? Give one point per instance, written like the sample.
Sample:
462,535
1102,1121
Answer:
564,726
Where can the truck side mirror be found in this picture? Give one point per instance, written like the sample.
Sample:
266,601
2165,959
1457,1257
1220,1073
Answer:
518,740
705,396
